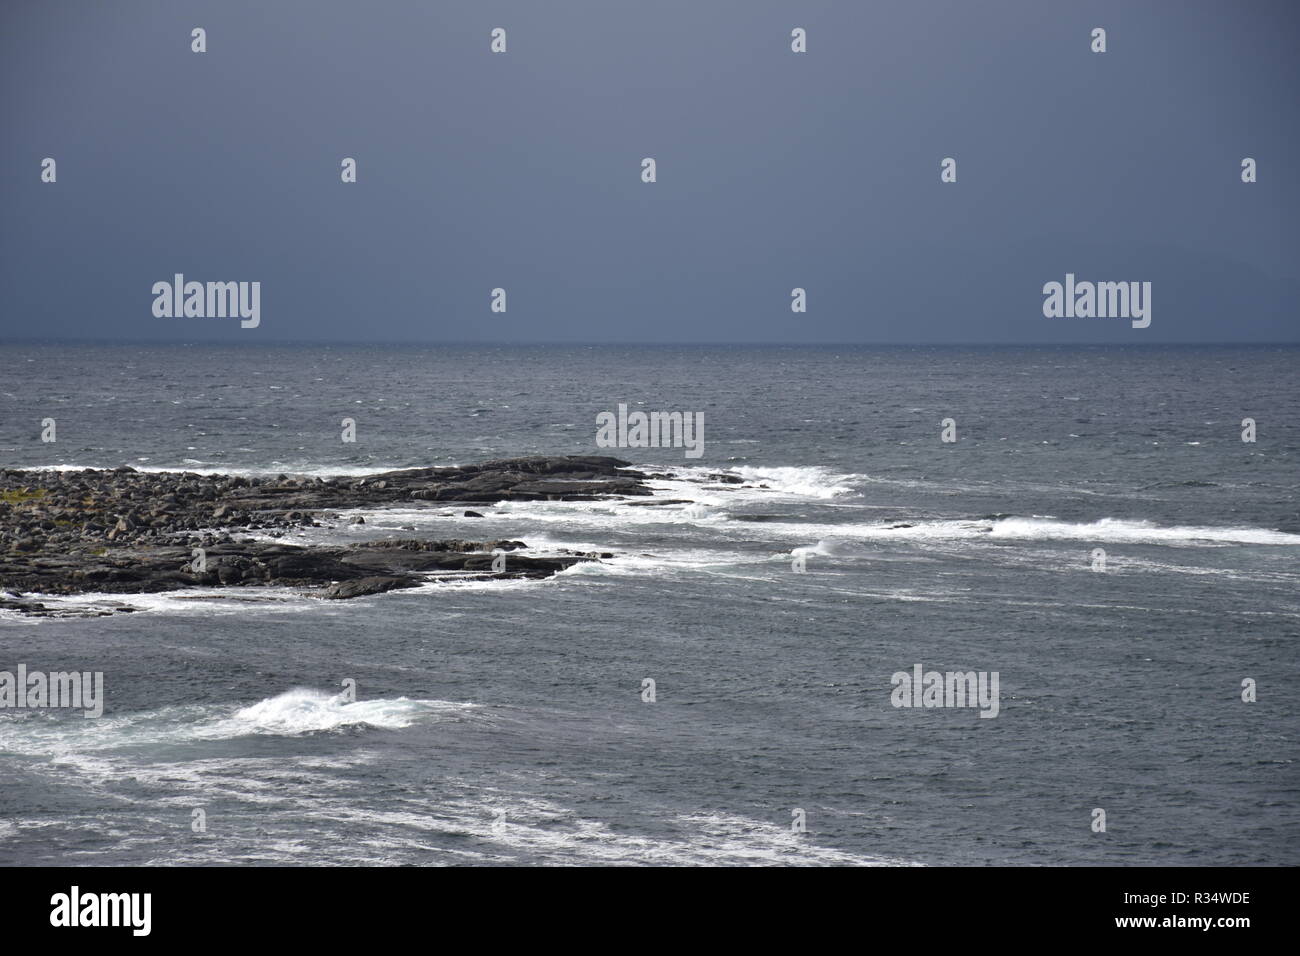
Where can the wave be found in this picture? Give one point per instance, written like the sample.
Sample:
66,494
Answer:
1028,529
302,710
807,481
1138,532
292,713
823,548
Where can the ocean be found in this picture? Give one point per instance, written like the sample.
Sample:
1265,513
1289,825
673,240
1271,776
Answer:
827,540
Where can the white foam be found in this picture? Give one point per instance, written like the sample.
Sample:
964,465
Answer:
206,602
278,794
302,711
808,481
824,548
638,564
538,828
297,711
1139,532
1029,529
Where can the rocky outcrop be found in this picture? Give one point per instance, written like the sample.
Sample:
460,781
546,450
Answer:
123,531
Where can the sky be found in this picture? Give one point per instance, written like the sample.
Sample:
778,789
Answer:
775,170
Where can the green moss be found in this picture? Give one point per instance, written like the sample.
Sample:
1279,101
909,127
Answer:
17,496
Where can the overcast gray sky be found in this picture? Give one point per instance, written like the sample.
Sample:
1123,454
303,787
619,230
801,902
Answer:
522,170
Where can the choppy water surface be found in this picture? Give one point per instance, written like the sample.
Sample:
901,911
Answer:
502,722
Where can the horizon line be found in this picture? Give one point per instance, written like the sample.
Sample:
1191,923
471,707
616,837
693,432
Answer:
608,344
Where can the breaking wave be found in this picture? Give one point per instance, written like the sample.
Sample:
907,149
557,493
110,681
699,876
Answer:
295,712
301,710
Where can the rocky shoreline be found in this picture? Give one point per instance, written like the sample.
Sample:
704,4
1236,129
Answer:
121,531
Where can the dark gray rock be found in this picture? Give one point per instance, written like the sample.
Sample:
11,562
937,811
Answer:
362,586
134,532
